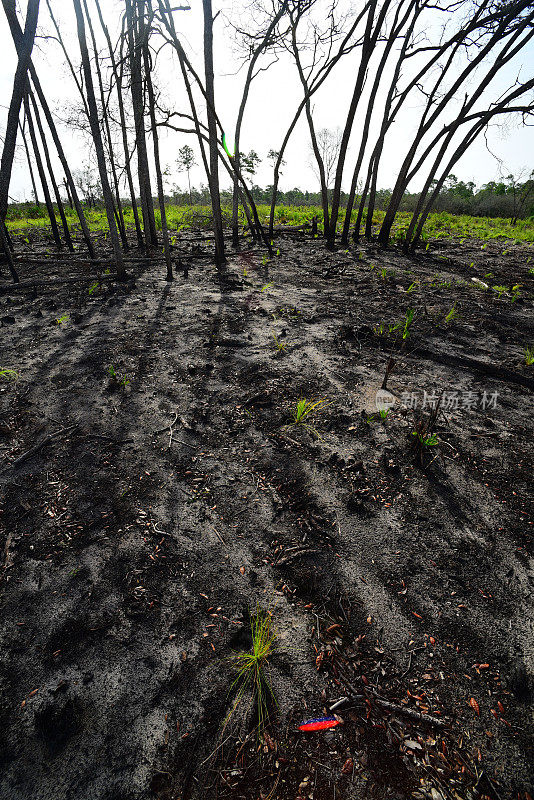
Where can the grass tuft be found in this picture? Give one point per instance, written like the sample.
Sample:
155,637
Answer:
251,668
8,374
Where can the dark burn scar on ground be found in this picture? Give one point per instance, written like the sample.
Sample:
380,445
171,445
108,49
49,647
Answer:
136,544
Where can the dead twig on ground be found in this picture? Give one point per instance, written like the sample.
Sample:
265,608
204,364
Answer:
289,556
33,450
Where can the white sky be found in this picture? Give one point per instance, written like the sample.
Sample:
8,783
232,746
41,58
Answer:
273,99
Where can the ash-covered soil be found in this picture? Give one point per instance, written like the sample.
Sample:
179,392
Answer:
143,519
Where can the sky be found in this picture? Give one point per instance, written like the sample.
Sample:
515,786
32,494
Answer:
274,96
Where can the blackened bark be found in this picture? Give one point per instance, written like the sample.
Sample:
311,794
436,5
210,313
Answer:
42,174
30,165
118,206
59,202
157,163
117,74
134,17
369,44
19,88
97,140
212,133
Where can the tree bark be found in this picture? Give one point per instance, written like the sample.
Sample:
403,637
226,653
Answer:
157,163
30,166
97,139
134,17
118,206
212,134
42,174
19,88
59,202
118,86
369,44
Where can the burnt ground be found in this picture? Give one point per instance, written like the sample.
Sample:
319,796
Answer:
142,523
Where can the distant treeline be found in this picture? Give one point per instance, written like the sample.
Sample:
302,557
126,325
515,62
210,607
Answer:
506,199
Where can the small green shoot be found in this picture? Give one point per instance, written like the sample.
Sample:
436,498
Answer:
453,314
281,347
94,287
529,356
267,286
426,439
407,322
304,410
8,374
411,288
117,379
60,320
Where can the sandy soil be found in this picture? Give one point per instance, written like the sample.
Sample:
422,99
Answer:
141,525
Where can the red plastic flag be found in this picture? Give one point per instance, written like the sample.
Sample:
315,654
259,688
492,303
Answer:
319,724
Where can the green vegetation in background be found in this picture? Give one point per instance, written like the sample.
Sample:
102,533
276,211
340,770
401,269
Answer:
23,218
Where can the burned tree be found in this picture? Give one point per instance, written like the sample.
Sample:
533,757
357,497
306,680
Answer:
97,139
10,138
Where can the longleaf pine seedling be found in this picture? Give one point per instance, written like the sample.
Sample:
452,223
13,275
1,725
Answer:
426,439
407,322
281,347
304,409
116,379
251,668
451,315
8,374
515,292
529,356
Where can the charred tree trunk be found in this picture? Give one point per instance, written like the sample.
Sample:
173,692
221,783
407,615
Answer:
248,80
118,206
29,161
369,44
392,38
134,16
97,139
117,75
212,134
53,181
19,88
42,174
67,190
508,22
157,163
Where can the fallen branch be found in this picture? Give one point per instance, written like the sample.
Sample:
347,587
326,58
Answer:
29,453
429,719
296,553
387,705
